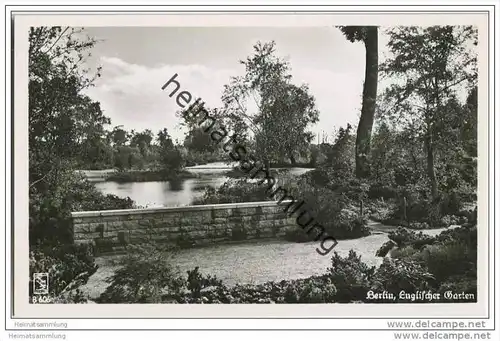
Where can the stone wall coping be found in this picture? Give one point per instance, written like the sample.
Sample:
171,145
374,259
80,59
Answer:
83,214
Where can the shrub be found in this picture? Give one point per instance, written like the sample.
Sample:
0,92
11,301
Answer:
68,267
467,216
407,252
232,191
380,210
423,211
382,191
50,219
50,232
171,159
351,277
145,276
396,275
354,228
437,212
316,290
75,296
450,203
460,284
405,237
450,259
464,234
385,248
415,225
196,282
329,209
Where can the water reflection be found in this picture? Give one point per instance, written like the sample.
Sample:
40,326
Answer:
176,185
172,193
162,193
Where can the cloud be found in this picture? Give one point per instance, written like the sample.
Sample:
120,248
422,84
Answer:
131,94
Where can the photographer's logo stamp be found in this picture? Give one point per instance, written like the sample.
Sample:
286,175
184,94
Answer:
40,283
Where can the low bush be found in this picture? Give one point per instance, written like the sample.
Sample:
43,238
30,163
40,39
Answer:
68,267
465,234
450,259
396,275
460,284
50,211
385,248
355,228
404,237
378,190
145,276
315,289
408,252
449,220
196,282
234,190
193,158
329,209
351,277
380,210
415,225
444,210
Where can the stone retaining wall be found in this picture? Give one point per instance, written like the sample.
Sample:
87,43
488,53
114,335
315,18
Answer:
185,226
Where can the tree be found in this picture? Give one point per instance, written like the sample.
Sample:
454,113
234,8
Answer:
282,110
61,121
142,140
292,111
127,157
429,66
163,139
369,36
199,141
97,153
119,136
382,153
340,156
170,157
60,116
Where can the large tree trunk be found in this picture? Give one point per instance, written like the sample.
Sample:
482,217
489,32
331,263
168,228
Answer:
431,172
365,125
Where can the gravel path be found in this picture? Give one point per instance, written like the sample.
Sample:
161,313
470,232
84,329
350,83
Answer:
259,262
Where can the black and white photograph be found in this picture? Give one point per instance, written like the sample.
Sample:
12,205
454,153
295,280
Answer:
253,165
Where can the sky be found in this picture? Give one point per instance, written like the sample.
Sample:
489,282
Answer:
137,61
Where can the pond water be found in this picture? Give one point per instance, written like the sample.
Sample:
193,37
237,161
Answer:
174,193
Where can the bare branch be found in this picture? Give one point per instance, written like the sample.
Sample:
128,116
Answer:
58,38
42,178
